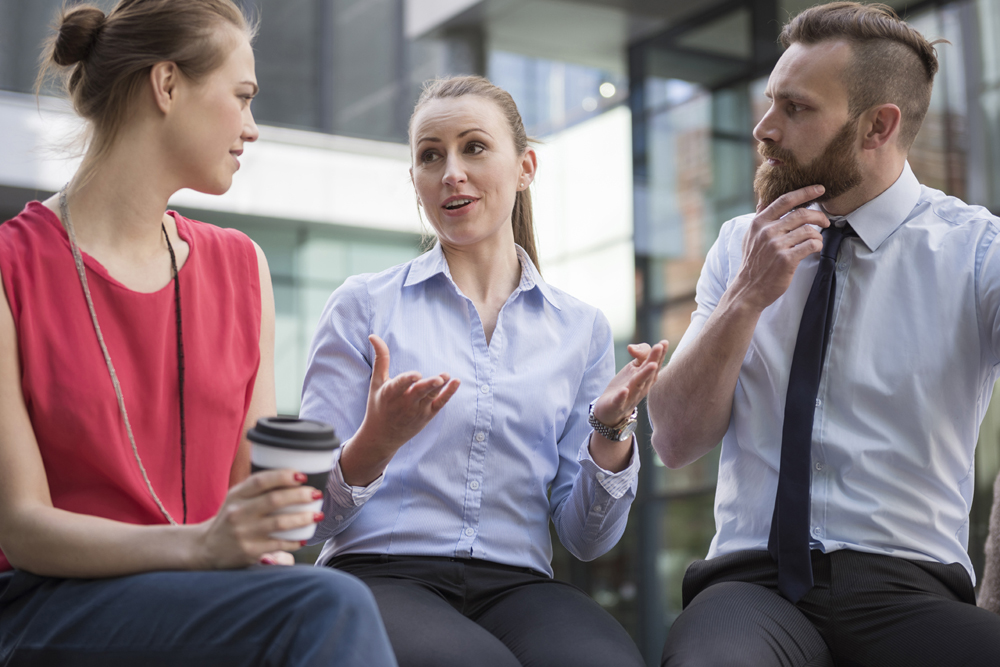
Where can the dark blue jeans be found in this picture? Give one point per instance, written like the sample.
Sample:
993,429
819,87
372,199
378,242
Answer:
287,616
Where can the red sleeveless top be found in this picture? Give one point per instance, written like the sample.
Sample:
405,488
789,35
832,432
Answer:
67,387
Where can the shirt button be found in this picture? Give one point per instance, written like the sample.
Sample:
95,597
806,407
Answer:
817,532
842,266
339,517
819,402
819,466
600,477
597,508
485,389
469,532
474,485
480,436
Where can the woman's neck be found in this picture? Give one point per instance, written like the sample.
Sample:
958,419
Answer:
117,210
487,272
119,204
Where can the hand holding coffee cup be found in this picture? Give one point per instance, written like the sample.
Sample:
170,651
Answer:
303,445
242,532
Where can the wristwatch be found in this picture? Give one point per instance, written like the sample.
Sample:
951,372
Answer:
619,432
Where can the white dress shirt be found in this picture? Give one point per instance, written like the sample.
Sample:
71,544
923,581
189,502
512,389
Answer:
510,449
912,359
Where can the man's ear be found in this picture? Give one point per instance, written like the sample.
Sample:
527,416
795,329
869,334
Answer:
880,126
163,80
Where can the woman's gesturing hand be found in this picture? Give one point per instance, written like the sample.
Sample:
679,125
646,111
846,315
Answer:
398,409
620,398
631,384
240,534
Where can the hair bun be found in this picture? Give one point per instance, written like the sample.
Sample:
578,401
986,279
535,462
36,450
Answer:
78,32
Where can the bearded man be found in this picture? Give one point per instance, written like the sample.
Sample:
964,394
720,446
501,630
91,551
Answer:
844,350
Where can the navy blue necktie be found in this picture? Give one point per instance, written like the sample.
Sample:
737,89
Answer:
789,539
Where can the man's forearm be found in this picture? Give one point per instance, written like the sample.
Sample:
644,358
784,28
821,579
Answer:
989,594
691,402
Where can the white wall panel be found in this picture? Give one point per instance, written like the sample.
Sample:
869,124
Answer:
583,215
286,174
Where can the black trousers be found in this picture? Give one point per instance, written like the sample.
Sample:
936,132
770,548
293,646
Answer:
865,610
444,612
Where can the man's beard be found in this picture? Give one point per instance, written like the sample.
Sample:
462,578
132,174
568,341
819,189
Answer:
836,169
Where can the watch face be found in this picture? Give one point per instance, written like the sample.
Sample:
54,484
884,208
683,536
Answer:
628,430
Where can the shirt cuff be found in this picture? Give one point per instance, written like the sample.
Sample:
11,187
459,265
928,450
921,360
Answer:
345,495
615,483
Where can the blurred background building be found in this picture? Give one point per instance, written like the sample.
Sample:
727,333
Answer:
644,111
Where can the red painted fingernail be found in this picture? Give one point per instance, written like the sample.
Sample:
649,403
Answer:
317,494
302,543
299,477
317,517
268,561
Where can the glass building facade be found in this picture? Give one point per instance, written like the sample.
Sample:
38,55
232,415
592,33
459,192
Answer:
644,112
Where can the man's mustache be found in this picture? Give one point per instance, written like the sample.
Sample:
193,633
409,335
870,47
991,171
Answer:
772,152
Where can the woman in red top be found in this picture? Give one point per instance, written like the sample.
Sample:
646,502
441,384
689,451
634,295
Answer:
136,347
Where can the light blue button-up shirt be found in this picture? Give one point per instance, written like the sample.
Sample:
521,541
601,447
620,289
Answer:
510,449
912,359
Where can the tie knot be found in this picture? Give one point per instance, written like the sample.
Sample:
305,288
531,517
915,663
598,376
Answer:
833,236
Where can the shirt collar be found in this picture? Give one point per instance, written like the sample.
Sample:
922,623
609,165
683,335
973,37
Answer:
531,278
433,262
876,219
426,266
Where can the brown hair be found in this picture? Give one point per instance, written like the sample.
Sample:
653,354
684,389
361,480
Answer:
890,62
103,60
521,216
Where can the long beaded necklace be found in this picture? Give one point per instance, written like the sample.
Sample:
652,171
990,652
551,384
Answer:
81,271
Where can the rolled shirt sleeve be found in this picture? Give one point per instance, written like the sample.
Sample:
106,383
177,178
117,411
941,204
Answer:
589,504
713,281
336,392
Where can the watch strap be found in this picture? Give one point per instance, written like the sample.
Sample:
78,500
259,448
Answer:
613,432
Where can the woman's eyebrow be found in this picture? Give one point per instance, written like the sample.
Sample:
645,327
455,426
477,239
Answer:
460,135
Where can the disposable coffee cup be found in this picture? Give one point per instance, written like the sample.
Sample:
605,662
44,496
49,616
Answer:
303,445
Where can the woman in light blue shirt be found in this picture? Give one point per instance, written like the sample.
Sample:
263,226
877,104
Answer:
476,402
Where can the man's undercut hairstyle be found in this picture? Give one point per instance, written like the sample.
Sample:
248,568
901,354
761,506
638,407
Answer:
891,63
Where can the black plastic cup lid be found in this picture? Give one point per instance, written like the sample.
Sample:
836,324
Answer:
292,433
